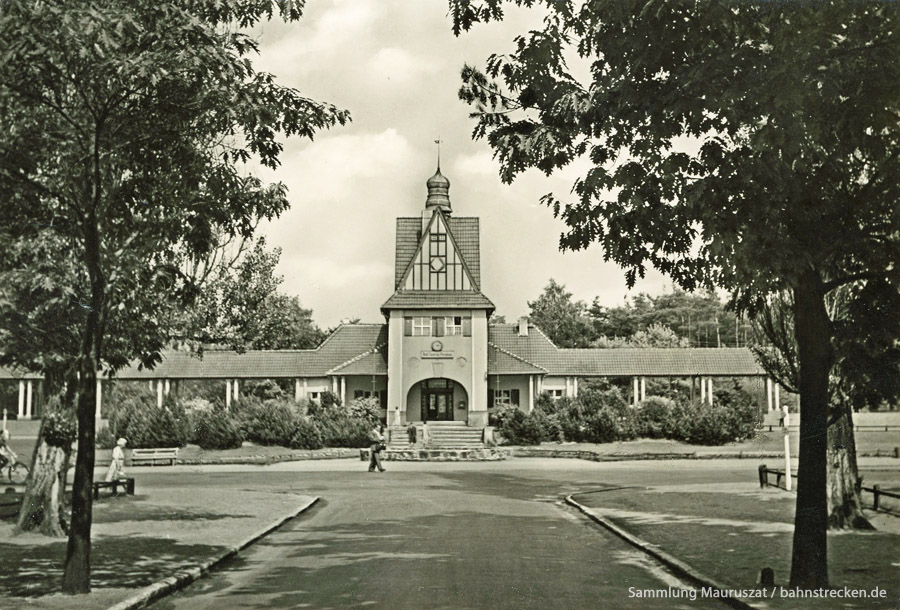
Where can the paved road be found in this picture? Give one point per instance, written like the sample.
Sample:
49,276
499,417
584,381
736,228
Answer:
440,536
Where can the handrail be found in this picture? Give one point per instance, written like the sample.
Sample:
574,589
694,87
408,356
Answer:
875,490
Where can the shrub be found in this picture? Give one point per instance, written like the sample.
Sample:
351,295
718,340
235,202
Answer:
214,429
144,424
704,424
602,426
345,431
517,428
264,389
104,438
270,422
368,409
658,417
306,435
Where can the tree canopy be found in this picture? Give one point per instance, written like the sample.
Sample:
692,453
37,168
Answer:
127,129
752,146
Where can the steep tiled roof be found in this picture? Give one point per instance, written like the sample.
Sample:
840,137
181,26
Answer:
465,234
346,343
437,299
536,348
372,362
501,362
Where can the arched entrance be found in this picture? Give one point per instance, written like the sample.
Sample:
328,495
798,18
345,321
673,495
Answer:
437,399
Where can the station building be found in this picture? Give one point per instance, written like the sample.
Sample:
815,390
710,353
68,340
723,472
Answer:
437,356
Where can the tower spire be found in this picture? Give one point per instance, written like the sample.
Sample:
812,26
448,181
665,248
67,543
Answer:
438,186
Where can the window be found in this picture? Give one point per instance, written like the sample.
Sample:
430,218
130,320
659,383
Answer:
314,396
554,394
453,325
500,398
421,327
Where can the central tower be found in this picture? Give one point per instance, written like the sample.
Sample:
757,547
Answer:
437,317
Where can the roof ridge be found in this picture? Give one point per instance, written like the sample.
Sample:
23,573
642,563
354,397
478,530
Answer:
517,357
543,334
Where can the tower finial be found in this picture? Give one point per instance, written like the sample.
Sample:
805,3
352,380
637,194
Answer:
438,142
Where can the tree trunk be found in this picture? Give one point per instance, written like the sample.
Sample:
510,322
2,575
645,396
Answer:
41,503
77,574
77,571
809,562
844,502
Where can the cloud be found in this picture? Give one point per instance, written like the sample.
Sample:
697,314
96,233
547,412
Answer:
399,67
479,164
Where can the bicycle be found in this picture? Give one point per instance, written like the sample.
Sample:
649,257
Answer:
13,469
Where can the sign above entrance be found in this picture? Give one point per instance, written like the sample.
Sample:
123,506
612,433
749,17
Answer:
437,355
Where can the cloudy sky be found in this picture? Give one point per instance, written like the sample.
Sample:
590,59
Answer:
394,64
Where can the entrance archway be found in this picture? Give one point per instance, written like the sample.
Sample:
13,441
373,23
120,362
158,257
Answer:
437,399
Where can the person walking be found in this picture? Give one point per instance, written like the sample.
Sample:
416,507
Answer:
376,435
117,465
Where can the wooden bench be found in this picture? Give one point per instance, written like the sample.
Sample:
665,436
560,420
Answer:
152,456
127,483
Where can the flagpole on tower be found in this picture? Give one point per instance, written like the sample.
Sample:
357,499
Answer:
438,142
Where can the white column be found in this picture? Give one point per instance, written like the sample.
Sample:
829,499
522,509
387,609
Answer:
530,393
343,390
709,392
296,390
575,386
777,395
227,393
702,390
334,385
236,393
21,400
168,387
635,391
159,393
643,388
99,399
769,394
29,395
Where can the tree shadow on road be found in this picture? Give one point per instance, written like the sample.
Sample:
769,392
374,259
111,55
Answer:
117,562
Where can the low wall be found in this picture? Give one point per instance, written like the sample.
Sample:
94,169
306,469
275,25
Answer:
489,454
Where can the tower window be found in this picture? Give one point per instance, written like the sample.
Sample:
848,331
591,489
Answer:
421,327
453,325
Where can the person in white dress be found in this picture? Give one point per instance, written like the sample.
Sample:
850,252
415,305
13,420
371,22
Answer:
117,465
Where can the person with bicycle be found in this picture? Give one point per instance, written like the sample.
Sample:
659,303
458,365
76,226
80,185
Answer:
7,456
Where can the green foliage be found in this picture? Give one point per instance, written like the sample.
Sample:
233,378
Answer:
269,422
240,307
658,417
264,389
58,426
518,428
368,409
215,429
105,438
344,431
146,425
601,414
307,435
563,320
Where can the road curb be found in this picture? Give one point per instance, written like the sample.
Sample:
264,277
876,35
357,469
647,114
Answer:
179,580
673,563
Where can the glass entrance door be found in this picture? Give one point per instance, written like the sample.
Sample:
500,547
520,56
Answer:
438,404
